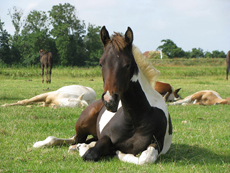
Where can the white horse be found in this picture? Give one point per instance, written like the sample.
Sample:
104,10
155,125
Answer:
67,96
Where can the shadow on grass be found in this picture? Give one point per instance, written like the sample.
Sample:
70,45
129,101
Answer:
184,154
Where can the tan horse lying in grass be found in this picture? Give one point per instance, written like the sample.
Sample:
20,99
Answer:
205,97
67,96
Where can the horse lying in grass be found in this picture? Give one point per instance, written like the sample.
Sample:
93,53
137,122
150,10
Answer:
131,118
167,91
205,97
67,96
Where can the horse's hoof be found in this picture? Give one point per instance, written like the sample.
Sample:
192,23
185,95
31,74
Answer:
72,148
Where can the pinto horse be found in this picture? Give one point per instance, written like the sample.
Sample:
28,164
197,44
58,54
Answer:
167,91
46,59
228,64
131,117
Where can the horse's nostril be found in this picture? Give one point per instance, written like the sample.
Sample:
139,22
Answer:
115,96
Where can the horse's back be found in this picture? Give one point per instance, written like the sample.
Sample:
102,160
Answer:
74,91
162,87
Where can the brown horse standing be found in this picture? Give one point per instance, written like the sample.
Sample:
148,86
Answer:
46,59
228,63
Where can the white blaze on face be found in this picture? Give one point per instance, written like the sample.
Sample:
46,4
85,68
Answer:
107,96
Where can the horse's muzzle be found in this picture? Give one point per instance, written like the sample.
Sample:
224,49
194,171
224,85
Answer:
110,102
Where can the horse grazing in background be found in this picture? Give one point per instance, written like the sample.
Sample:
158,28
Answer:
46,59
167,91
205,97
131,117
228,64
67,96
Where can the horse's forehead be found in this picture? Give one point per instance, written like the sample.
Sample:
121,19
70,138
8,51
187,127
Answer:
111,53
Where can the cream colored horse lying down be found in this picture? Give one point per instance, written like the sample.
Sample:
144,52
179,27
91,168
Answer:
205,97
67,96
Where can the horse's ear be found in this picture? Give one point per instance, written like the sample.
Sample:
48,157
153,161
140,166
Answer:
177,90
104,35
176,95
129,36
81,96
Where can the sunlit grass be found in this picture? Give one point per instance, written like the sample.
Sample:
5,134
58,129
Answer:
200,133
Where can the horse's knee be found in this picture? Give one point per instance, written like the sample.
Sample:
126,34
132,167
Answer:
148,156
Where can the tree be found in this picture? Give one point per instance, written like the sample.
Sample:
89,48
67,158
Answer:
4,45
208,54
34,37
93,44
197,53
16,16
218,54
170,49
67,32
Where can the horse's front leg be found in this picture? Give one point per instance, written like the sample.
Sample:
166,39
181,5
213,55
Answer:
147,156
42,67
102,148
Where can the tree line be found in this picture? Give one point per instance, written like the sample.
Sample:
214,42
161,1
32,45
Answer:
171,50
62,33
58,31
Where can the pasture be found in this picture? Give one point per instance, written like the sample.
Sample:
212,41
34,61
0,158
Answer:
200,133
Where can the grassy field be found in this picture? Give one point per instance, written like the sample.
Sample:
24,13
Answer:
201,134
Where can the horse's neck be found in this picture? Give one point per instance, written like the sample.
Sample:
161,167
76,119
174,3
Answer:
148,94
134,100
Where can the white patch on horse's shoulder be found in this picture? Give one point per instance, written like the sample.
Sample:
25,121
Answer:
106,117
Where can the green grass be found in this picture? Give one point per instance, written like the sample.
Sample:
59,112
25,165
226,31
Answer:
200,133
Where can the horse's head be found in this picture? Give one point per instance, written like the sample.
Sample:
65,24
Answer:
118,66
41,52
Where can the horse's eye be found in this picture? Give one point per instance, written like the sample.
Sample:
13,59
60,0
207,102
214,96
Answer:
100,65
127,66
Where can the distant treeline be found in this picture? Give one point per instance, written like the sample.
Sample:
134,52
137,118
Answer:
62,33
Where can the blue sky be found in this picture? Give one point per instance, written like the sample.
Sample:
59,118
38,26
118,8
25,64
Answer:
189,23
